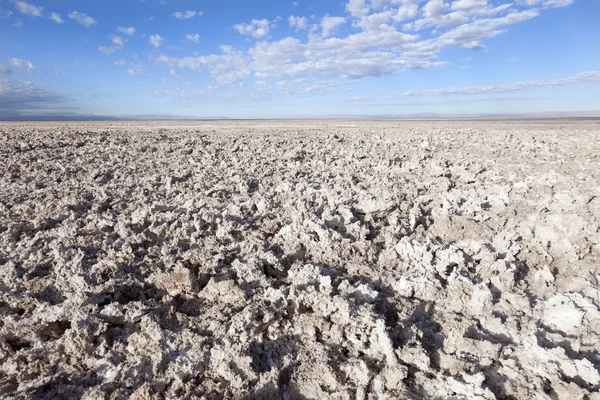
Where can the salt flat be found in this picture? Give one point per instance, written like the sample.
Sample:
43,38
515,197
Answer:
300,260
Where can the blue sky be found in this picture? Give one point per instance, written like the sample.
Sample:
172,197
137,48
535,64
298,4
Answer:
280,59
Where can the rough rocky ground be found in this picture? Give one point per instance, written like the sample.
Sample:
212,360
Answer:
300,260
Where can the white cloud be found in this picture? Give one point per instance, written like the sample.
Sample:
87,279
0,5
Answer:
56,18
107,50
298,22
330,24
592,77
258,28
368,40
295,4
83,19
378,44
120,63
467,35
433,8
267,54
135,70
156,40
228,68
118,44
117,40
377,21
187,14
4,70
29,9
195,38
467,4
126,31
406,11
357,8
456,18
22,64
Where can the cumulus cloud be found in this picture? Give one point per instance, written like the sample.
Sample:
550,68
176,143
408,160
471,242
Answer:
126,31
298,22
406,11
258,28
56,18
433,8
187,14
330,24
25,65
357,8
156,40
592,77
4,70
195,38
83,19
29,9
386,38
228,68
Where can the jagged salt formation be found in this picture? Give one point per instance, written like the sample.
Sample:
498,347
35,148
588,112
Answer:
309,260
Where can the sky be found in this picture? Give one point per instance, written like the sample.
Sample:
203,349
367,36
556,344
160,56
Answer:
297,59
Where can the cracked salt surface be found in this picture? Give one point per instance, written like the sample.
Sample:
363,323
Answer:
299,260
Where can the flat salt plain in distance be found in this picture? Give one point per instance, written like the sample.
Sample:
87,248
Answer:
312,259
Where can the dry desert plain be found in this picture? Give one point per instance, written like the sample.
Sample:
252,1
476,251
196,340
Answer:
332,259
